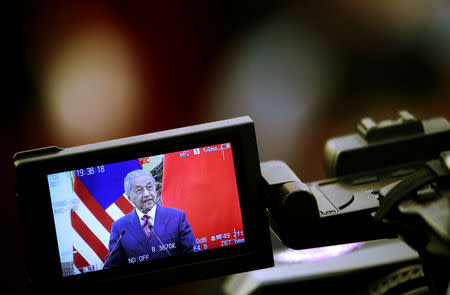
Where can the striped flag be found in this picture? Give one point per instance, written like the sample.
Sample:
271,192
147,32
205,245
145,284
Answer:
92,226
85,204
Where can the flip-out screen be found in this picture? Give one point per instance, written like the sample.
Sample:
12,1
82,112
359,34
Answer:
166,207
145,209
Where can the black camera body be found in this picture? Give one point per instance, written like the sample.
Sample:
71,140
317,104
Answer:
391,179
340,209
387,179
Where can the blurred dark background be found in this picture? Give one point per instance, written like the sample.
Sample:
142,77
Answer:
87,71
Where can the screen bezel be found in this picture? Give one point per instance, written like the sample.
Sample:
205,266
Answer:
31,180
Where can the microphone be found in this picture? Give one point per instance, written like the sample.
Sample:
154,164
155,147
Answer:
153,232
114,248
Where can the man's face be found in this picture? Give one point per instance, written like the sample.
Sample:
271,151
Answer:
143,193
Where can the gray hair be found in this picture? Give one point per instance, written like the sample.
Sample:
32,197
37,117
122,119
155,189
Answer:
132,175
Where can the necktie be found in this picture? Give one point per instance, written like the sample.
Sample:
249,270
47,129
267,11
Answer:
146,226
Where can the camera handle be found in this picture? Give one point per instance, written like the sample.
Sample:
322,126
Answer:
320,213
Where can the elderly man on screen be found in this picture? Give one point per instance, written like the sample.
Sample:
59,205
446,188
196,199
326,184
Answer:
150,231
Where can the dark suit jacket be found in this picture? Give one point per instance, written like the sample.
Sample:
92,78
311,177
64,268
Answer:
170,226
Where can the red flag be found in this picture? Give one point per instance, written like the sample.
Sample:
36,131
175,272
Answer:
202,183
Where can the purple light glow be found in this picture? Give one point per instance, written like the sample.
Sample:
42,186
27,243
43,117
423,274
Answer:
314,254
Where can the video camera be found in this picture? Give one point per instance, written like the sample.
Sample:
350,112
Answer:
391,178
213,199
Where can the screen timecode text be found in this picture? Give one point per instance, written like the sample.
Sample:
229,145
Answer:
90,171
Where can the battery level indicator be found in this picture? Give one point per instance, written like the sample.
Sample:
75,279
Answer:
225,146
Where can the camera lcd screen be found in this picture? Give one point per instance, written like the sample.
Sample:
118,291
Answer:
171,206
191,199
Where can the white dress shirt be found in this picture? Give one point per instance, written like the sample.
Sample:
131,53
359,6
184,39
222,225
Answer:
151,214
